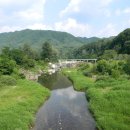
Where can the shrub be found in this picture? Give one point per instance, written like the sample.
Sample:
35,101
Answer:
127,67
115,74
7,81
89,74
102,77
22,76
103,67
7,66
84,66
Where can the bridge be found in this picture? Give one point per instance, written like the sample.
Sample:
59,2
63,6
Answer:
74,62
77,60
63,63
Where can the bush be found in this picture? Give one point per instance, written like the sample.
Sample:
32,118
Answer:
7,81
22,76
115,74
89,74
127,66
103,67
7,66
84,66
102,77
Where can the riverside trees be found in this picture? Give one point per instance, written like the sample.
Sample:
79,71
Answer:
49,53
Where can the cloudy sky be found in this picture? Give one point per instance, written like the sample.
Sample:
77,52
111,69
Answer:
86,18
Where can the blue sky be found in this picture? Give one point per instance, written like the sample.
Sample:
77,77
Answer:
86,18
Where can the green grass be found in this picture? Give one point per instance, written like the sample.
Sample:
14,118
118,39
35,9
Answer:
18,104
80,82
109,100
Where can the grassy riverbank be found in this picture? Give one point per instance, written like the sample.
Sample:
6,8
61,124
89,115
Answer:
108,100
19,103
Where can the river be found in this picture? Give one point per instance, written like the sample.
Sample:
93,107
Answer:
66,109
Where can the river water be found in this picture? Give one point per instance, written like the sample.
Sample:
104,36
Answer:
66,109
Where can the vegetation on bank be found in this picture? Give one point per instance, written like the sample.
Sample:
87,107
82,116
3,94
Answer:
19,102
107,88
20,98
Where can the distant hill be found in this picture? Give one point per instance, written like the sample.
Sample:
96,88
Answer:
35,38
93,49
121,43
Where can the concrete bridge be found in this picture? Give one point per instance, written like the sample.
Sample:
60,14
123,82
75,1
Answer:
67,63
78,60
73,62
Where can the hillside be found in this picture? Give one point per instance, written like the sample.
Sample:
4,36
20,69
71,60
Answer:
121,43
36,38
93,49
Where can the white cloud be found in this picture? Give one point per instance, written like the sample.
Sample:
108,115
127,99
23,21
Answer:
73,6
119,12
21,11
87,6
127,10
9,28
72,26
39,26
108,30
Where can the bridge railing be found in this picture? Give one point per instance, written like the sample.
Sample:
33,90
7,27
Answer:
84,60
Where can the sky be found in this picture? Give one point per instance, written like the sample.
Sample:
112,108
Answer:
84,18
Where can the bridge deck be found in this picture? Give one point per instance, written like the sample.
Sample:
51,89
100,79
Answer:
78,60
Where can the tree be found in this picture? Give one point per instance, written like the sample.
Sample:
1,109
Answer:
7,66
29,52
109,54
48,52
6,52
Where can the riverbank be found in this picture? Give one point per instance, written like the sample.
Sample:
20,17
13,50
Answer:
19,103
108,99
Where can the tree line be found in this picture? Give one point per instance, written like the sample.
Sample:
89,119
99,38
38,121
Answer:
25,57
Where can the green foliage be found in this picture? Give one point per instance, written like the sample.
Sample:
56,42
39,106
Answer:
79,80
62,41
29,52
121,42
113,68
127,66
17,55
18,104
109,54
103,67
93,49
108,100
115,74
23,57
7,81
28,63
48,53
7,66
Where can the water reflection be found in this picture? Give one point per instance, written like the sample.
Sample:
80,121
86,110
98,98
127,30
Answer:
54,81
66,109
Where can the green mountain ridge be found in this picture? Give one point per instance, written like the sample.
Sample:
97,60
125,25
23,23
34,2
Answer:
36,38
119,43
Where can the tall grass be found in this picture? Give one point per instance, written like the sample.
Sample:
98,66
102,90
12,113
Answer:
109,100
19,103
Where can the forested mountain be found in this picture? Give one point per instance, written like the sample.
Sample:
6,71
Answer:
35,38
66,44
93,49
120,44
